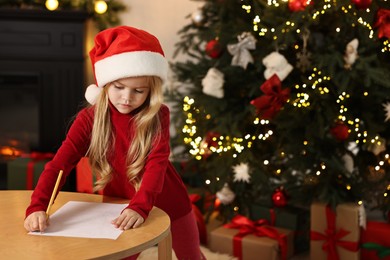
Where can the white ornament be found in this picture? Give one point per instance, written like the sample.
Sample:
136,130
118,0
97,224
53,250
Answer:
387,110
226,195
353,147
241,172
276,63
213,83
240,50
351,53
348,162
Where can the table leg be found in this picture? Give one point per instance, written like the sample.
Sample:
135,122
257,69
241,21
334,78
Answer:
165,248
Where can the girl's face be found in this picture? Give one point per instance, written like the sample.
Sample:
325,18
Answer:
128,94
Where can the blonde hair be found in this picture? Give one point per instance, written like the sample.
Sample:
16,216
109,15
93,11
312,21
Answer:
147,131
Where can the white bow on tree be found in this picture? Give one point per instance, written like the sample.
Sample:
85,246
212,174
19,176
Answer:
240,50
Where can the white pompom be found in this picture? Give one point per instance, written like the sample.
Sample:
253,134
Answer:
91,93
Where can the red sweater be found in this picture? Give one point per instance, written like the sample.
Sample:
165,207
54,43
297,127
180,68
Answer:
161,184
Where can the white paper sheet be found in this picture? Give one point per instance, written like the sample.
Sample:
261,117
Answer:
84,219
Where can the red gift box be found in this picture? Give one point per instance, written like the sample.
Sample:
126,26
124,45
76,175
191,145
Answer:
84,177
35,157
375,241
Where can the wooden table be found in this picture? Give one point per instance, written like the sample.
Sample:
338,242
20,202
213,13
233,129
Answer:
15,243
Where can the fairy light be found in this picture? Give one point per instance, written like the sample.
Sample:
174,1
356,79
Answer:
51,5
199,147
247,8
302,99
386,46
101,7
327,6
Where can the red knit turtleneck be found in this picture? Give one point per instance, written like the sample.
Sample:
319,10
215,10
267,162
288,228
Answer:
161,184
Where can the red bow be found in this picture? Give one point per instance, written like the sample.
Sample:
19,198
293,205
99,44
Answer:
257,228
383,22
35,157
332,238
273,99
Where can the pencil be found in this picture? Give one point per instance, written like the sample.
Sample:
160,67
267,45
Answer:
53,195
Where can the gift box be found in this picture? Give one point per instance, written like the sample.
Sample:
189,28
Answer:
213,221
375,241
23,172
289,217
335,234
252,242
286,217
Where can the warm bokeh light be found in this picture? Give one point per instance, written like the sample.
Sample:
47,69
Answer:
51,5
101,7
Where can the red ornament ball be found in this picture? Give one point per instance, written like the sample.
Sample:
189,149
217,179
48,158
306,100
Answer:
279,198
362,4
340,131
297,5
214,49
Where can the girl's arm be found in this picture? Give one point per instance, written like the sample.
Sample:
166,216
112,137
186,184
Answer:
72,149
155,170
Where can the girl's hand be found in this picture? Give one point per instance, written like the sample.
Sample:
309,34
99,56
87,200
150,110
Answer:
36,221
128,219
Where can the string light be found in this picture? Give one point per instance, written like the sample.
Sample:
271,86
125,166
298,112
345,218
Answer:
221,144
101,7
302,99
247,8
51,5
328,5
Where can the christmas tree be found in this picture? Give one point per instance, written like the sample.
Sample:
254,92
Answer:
285,102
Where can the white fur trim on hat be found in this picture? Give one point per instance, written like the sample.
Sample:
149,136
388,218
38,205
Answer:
91,93
130,64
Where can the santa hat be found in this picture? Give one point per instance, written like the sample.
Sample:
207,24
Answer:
122,52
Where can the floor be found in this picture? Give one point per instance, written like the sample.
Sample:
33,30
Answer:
151,254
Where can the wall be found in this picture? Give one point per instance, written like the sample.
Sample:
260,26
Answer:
163,18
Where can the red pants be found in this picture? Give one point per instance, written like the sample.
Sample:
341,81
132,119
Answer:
185,239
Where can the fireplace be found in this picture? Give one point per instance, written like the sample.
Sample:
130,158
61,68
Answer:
41,78
19,112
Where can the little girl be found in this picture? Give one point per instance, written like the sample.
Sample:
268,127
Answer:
125,135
